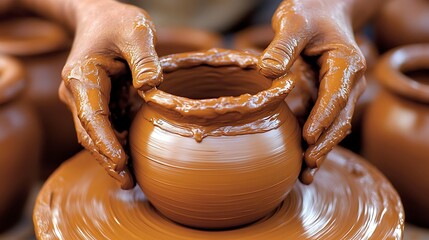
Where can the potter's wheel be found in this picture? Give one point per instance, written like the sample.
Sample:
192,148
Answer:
349,199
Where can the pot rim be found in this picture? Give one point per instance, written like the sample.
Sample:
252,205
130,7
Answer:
392,65
45,37
213,107
12,78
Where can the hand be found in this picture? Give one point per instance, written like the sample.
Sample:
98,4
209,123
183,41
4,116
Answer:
320,29
111,38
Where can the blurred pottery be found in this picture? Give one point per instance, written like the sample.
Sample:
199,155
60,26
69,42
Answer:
215,146
43,48
402,22
396,127
179,40
20,138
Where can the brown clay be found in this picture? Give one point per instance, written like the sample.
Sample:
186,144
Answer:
19,143
216,146
396,127
349,199
354,140
402,22
41,46
178,40
256,39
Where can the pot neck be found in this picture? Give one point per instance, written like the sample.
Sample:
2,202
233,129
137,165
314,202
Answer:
12,79
393,67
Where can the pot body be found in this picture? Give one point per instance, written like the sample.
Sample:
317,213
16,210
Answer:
396,140
20,139
220,182
396,127
215,145
42,47
60,140
20,143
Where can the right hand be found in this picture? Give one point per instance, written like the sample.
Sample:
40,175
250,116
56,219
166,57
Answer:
111,39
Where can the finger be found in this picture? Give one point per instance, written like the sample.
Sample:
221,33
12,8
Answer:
82,136
89,86
307,175
124,177
341,66
340,128
139,52
291,37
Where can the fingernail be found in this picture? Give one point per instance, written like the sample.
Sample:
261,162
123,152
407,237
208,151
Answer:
307,175
147,78
271,67
310,158
127,180
320,161
312,134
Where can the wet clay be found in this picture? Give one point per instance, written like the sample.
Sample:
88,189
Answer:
20,139
353,141
257,38
215,145
42,47
178,40
398,119
349,199
300,100
402,22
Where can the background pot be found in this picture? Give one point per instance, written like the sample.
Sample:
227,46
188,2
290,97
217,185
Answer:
177,40
20,139
215,146
43,48
402,22
396,127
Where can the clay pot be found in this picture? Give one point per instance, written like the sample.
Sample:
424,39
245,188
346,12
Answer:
178,40
401,22
215,146
396,127
43,48
19,143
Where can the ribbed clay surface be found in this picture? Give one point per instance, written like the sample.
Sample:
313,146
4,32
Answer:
349,199
216,146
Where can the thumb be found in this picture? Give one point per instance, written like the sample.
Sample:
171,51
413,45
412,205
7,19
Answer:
142,58
287,45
